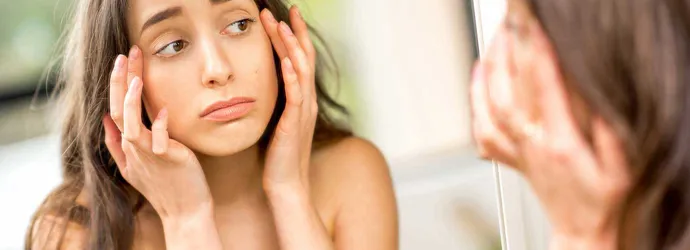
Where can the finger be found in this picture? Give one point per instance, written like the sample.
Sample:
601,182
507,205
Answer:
132,112
298,58
302,33
501,90
159,133
135,65
550,88
113,142
271,27
491,142
289,120
309,108
300,64
494,145
293,92
118,89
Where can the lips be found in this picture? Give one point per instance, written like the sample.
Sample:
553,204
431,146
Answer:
224,111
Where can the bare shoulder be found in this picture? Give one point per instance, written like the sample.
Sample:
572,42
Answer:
60,230
349,158
51,231
348,152
353,190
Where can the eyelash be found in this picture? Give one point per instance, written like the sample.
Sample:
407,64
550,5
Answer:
248,22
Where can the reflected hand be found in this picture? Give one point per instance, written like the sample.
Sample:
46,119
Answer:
581,186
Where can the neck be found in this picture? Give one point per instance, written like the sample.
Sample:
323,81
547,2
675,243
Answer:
234,177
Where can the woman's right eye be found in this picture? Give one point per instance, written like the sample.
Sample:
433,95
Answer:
172,48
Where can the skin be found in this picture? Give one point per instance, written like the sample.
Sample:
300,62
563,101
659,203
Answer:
524,117
205,182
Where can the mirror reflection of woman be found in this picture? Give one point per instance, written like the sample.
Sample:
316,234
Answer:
589,99
206,125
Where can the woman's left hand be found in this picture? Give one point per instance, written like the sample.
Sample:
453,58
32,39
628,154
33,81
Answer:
286,171
287,159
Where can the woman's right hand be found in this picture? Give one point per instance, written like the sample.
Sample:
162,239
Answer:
163,170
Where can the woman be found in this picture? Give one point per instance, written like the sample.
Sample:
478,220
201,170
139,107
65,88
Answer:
212,133
590,100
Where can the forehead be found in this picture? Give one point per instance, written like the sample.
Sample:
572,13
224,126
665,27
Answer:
140,10
147,8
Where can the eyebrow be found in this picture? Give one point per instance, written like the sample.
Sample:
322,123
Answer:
161,16
170,13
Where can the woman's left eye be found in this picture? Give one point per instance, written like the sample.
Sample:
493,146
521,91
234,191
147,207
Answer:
238,27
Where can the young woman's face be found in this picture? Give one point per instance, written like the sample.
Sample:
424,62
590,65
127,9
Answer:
200,52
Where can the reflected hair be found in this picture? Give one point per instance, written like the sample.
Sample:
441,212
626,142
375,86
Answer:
629,60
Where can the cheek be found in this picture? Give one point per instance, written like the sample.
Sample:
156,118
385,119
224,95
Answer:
266,87
259,71
174,86
168,86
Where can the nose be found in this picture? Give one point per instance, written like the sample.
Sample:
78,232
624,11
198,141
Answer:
217,69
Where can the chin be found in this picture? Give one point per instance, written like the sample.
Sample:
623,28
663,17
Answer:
218,148
228,139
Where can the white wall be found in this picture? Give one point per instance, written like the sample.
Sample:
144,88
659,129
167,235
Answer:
413,59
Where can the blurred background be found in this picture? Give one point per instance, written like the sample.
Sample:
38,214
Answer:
405,71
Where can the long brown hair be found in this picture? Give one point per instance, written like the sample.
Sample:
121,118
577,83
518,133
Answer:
630,61
97,36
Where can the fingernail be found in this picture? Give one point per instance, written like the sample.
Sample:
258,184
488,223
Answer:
285,28
134,53
135,84
299,13
270,17
119,62
162,114
288,66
